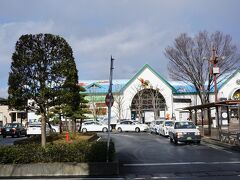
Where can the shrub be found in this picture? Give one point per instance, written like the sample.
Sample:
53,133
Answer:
98,152
62,152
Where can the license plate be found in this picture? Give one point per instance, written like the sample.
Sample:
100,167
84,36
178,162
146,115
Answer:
189,138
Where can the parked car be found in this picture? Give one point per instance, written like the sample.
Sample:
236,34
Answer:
163,128
35,129
13,129
154,126
55,128
184,131
131,126
94,126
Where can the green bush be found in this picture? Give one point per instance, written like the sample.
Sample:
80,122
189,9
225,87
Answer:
98,152
72,152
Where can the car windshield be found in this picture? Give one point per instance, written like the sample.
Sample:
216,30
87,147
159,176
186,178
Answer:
10,125
168,123
159,122
184,125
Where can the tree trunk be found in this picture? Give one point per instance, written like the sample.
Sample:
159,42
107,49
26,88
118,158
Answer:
74,126
43,129
209,121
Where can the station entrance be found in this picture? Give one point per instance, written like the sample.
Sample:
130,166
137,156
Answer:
148,105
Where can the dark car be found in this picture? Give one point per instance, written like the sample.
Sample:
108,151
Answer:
13,129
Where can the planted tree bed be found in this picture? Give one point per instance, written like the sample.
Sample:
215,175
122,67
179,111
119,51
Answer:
79,148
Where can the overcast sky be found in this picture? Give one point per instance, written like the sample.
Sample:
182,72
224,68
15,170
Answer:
135,32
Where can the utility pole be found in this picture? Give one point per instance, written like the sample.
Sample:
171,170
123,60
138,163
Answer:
109,102
215,71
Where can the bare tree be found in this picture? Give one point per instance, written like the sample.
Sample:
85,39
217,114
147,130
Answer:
154,94
92,101
187,59
137,103
118,104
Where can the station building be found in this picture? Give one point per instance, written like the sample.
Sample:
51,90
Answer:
148,96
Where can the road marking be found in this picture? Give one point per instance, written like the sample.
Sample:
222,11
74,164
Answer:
98,138
181,163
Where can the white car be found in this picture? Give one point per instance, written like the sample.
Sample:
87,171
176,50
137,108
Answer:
90,126
154,126
184,131
35,129
131,126
163,128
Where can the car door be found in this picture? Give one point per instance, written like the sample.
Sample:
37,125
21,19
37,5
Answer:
90,126
124,126
132,126
97,126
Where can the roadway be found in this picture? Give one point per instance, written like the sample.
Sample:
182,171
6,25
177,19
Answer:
150,156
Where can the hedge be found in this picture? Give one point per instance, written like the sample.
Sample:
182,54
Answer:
72,152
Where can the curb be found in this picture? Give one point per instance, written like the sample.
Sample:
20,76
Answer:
221,144
59,169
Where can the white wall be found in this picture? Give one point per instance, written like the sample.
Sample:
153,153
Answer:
5,117
131,90
230,87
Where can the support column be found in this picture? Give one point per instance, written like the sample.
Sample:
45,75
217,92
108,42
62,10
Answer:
195,116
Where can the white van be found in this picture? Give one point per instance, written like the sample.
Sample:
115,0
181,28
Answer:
35,129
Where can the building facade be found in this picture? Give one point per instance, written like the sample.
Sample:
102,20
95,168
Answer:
148,96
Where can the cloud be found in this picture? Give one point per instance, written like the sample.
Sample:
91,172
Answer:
9,34
3,92
135,32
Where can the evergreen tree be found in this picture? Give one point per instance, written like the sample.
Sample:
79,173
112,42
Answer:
43,70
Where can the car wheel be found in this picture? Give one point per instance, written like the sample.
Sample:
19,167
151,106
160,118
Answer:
119,129
4,136
137,130
104,130
84,130
18,134
198,142
175,141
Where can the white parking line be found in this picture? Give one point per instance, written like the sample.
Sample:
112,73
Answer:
182,163
98,138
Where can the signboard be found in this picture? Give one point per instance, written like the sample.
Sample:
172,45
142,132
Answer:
109,100
95,98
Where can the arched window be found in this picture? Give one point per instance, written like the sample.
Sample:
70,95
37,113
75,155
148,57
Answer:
148,100
236,95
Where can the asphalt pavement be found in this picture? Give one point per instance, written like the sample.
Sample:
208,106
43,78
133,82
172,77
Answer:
150,156
9,140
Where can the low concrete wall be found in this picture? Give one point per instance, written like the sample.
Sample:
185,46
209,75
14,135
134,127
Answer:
59,169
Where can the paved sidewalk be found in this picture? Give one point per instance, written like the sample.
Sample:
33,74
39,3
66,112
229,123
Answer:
216,142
